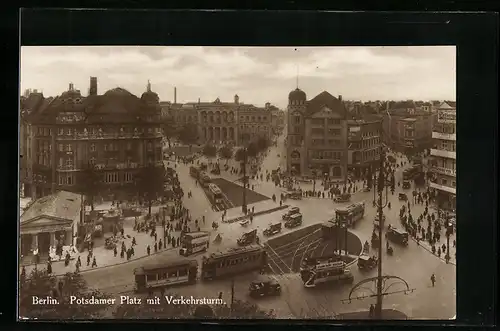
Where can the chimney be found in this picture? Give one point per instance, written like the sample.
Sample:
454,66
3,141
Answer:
70,87
236,99
340,97
175,94
93,86
198,100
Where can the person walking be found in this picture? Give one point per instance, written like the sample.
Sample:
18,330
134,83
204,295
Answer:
433,280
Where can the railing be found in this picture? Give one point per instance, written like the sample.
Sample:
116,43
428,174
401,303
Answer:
66,167
444,136
448,189
443,153
444,171
82,136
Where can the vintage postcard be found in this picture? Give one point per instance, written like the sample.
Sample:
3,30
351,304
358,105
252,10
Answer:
237,182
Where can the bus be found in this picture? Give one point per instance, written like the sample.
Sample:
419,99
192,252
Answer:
194,242
233,261
215,194
350,214
204,179
165,272
410,173
326,272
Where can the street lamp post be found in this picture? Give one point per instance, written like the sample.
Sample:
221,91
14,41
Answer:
244,194
380,205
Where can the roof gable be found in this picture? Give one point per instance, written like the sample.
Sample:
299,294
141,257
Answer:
61,205
43,220
325,100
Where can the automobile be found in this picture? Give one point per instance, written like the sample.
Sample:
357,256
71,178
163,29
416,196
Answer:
397,235
403,197
296,195
264,287
294,221
343,198
367,262
272,229
290,212
406,185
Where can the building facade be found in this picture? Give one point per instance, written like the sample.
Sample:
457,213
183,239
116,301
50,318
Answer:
443,153
220,122
317,136
117,134
407,128
364,144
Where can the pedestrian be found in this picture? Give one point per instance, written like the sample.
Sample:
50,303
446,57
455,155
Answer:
133,241
132,251
122,253
94,263
454,243
156,247
49,267
148,250
88,259
115,251
160,245
372,311
433,280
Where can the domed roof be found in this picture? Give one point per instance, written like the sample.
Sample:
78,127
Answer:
118,91
297,95
150,96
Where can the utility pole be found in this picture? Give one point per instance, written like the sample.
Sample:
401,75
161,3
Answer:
232,296
244,197
380,206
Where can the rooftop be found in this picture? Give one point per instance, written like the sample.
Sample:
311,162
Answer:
63,204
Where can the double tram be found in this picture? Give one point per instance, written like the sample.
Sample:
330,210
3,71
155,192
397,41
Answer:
215,194
160,274
350,214
233,261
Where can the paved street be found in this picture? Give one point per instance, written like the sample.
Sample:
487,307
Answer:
414,263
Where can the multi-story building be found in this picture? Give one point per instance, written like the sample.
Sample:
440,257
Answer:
443,153
317,136
364,143
220,122
117,134
407,128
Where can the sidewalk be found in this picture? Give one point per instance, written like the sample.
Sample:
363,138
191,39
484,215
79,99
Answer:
105,257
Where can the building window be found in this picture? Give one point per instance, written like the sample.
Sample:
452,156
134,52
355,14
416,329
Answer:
60,147
444,182
129,177
129,146
69,163
150,147
92,148
332,121
68,147
105,147
334,132
297,119
68,132
454,184
111,177
92,161
60,132
70,180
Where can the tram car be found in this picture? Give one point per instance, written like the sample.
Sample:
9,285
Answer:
329,272
165,273
233,261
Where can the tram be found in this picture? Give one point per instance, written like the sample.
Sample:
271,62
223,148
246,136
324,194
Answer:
233,261
167,273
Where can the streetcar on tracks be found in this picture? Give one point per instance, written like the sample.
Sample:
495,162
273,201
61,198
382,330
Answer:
350,214
329,272
204,179
165,273
214,194
233,261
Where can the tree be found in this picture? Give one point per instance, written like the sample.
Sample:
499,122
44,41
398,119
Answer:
40,284
169,129
150,183
252,150
226,152
262,143
91,182
240,154
188,134
209,150
240,309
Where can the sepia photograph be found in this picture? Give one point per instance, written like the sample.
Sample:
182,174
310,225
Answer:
183,182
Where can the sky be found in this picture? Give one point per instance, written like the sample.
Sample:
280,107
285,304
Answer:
257,74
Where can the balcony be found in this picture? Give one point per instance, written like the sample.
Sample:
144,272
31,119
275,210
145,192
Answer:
448,189
117,166
443,153
66,168
104,136
444,136
444,171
